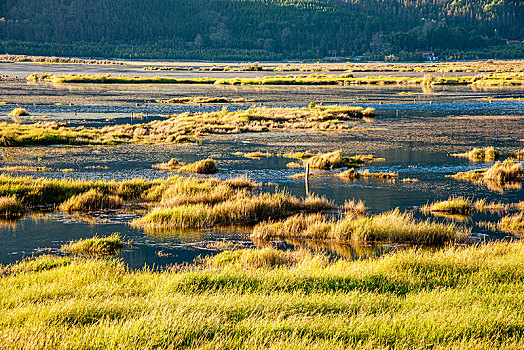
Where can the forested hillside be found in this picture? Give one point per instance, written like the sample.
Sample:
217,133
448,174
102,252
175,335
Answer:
259,29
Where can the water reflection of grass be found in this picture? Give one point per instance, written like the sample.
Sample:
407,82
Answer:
454,298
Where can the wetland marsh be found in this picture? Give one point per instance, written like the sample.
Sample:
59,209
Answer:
151,216
413,135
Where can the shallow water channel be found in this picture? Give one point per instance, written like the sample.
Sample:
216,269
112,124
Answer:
415,130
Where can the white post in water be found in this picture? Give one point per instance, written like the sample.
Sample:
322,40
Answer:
307,178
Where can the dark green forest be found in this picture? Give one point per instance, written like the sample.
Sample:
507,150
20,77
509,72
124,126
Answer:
261,29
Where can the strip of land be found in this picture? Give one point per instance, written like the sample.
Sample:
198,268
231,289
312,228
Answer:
484,79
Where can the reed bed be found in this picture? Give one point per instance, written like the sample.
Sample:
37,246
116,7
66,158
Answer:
453,298
95,246
187,127
487,154
240,208
393,226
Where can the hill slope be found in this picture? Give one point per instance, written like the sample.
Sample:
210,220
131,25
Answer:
271,28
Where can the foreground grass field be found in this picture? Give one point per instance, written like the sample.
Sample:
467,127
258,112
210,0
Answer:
457,297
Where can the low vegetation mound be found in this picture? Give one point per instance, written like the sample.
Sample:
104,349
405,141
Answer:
187,127
514,78
499,174
333,160
205,166
90,201
487,154
352,174
95,246
393,226
203,99
237,208
18,112
464,206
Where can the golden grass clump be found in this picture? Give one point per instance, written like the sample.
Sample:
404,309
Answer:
482,205
95,246
241,208
18,112
352,174
354,207
453,205
487,154
499,173
333,160
91,200
513,222
205,166
393,226
10,207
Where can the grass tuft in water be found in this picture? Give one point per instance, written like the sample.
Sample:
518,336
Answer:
18,112
95,246
90,201
352,174
499,174
513,222
393,226
487,154
241,208
205,166
333,160
10,207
